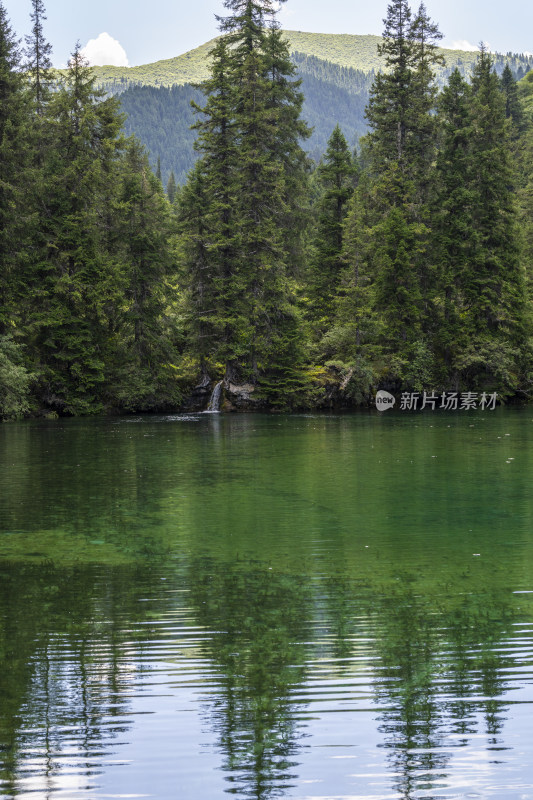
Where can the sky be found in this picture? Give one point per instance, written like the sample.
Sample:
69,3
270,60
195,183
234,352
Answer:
133,32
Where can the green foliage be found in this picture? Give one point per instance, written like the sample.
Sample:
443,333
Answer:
336,178
402,266
434,288
73,280
171,188
241,211
14,103
15,381
143,350
38,52
513,107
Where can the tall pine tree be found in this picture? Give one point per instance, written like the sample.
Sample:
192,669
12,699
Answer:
494,282
14,126
336,177
252,163
401,146
454,236
38,52
141,377
74,278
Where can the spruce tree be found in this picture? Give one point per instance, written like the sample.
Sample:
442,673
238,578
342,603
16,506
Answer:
494,286
402,146
38,63
336,177
205,324
14,125
402,97
264,91
388,110
454,235
171,187
75,280
219,304
286,101
513,107
252,162
141,376
351,344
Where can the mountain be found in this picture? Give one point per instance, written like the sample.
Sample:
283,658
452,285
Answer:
337,71
346,50
161,117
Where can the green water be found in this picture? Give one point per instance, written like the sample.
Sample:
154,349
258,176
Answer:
314,607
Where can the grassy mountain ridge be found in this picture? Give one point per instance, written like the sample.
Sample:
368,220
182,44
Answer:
346,50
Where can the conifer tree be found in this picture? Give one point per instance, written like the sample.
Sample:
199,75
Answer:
351,344
14,124
336,177
264,91
403,95
425,36
171,187
252,162
38,52
158,169
482,286
141,377
494,285
455,238
286,101
204,322
401,147
219,310
74,278
388,110
513,107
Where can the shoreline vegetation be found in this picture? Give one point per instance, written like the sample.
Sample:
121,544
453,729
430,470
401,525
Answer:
404,265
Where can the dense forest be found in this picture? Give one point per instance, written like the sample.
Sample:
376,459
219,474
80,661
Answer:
403,265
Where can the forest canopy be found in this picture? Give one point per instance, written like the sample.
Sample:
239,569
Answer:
403,263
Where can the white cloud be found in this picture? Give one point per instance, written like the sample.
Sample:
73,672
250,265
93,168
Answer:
105,50
462,44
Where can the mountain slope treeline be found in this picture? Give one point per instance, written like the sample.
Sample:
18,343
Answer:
334,92
162,118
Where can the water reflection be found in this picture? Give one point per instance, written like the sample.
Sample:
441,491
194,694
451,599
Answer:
259,607
258,646
440,667
67,664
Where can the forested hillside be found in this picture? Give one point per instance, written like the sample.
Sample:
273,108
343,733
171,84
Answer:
162,118
337,71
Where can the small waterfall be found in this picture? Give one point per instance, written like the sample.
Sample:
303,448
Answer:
214,403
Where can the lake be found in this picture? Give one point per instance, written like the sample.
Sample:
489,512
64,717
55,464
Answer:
319,607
